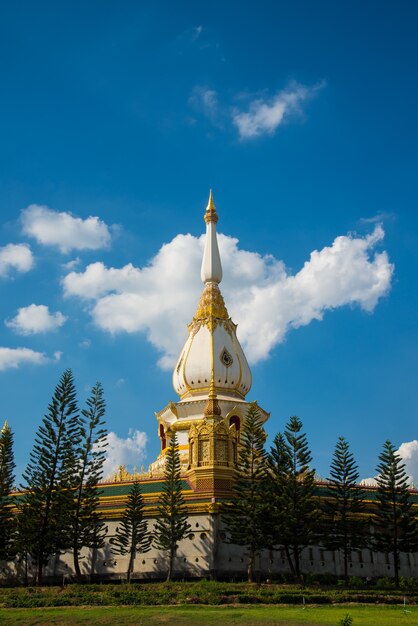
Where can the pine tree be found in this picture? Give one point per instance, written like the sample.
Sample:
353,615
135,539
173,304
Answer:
24,532
7,520
171,526
278,473
132,536
395,528
87,528
49,479
344,527
295,493
245,515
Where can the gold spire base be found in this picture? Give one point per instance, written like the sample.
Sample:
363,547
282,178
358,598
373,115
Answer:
211,304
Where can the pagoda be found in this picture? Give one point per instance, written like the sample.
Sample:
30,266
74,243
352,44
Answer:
212,379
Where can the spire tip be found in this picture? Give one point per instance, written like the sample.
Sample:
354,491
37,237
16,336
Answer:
211,214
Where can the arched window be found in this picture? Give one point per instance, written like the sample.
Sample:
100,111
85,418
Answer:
235,421
162,437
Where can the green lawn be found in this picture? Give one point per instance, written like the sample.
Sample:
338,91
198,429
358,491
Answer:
363,615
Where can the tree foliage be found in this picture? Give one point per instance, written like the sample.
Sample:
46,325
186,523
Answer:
294,512
245,515
132,536
7,520
49,479
344,528
87,528
171,525
395,525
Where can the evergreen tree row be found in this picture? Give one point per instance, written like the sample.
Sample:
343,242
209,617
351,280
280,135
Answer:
57,510
133,536
275,502
58,505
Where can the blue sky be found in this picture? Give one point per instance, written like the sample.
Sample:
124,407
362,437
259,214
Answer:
302,118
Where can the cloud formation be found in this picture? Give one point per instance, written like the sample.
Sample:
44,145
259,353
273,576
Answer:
261,115
34,319
408,451
265,115
63,230
11,358
206,101
129,451
263,298
16,257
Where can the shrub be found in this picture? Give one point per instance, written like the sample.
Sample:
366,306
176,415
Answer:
355,582
385,583
311,580
408,584
319,599
247,599
327,578
347,620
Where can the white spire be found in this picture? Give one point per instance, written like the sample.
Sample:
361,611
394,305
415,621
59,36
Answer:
212,363
211,271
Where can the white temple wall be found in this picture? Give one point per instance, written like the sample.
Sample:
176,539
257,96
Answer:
205,554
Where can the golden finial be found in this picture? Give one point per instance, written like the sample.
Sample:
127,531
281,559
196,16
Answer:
5,427
211,214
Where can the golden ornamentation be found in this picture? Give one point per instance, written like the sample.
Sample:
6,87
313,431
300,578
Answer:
211,214
211,304
200,390
214,442
212,408
221,450
173,408
204,452
122,475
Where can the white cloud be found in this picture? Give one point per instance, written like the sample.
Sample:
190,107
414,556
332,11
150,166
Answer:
16,257
63,230
205,100
263,298
129,451
14,357
264,115
196,32
34,319
408,451
71,265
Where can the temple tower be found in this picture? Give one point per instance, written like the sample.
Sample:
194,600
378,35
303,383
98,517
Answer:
212,379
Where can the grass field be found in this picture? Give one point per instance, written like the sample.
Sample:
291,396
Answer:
208,615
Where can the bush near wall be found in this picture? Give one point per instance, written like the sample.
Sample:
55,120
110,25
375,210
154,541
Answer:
204,592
